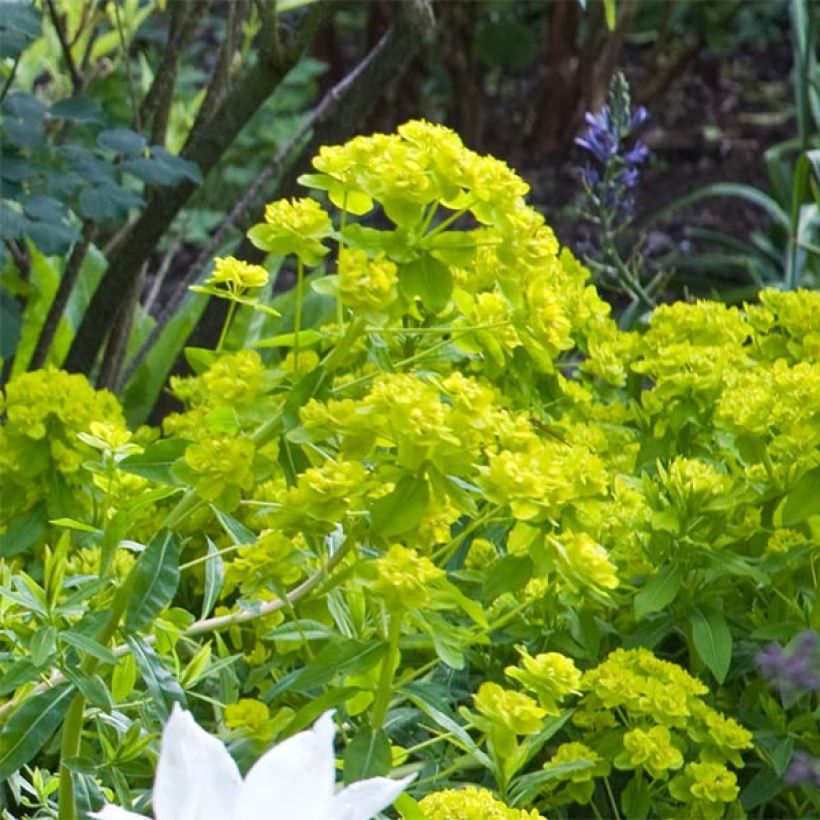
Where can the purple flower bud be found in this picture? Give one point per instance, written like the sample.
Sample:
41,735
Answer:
637,155
803,770
639,116
798,670
629,177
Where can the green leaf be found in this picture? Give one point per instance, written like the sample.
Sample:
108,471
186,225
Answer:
636,799
116,529
402,509
122,141
155,580
147,169
658,592
156,461
762,788
123,678
107,202
214,577
508,574
43,645
348,656
72,524
712,640
20,672
367,755
426,699
428,279
11,322
30,727
801,502
237,531
76,109
88,645
144,387
24,531
727,189
19,26
610,13
91,687
161,685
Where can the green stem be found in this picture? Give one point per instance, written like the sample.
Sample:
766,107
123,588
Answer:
69,748
385,690
340,308
226,327
612,801
73,723
297,319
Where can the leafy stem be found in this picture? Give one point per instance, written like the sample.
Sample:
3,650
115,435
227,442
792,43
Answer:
385,689
297,318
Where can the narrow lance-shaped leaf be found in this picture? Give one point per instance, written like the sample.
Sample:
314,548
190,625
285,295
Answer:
30,727
156,577
214,577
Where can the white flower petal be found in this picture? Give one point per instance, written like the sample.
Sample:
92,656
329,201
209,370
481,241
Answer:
294,779
196,777
116,813
360,801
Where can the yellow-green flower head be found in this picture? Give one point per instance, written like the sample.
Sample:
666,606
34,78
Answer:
86,561
113,436
234,380
577,785
570,752
691,477
222,466
321,497
792,320
706,782
651,750
471,803
294,226
237,275
550,675
403,579
271,563
248,716
46,411
367,285
725,735
634,679
785,540
585,562
548,318
512,710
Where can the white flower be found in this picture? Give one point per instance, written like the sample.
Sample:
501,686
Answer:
198,780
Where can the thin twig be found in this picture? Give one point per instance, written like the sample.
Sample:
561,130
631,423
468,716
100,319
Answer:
159,278
10,78
132,89
219,81
111,368
76,79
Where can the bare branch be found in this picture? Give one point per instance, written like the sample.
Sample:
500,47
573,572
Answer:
76,79
205,148
67,282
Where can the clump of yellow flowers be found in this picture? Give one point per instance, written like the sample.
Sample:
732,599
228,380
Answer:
445,497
